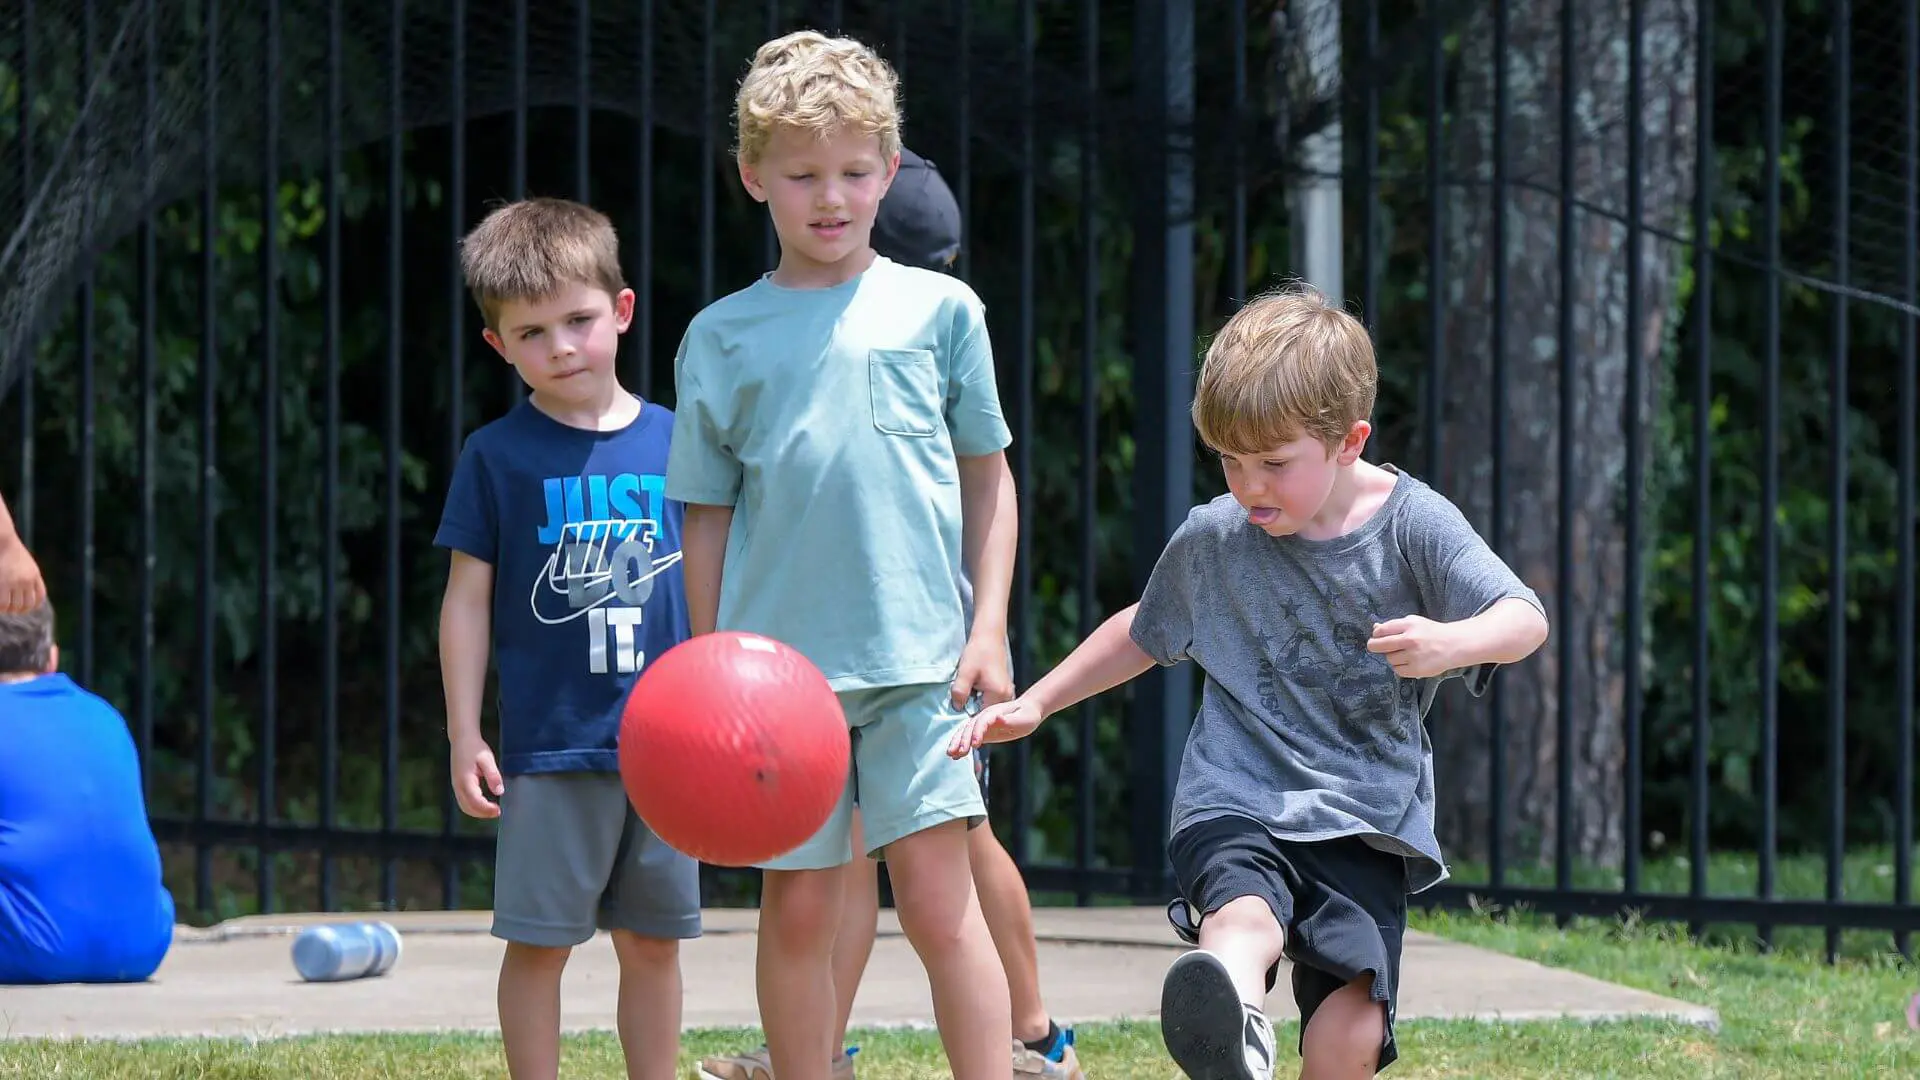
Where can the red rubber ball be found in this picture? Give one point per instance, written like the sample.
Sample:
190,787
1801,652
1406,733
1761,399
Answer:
733,748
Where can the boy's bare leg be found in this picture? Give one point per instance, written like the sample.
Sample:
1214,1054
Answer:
1009,914
529,1000
799,916
1343,1039
649,1006
859,925
1247,938
933,891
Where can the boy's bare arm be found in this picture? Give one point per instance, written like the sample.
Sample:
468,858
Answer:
21,586
1506,633
1106,659
703,551
466,636
990,537
466,628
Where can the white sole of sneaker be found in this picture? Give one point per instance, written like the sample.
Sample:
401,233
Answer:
1202,1020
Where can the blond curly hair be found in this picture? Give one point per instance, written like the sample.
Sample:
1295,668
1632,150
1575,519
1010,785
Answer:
811,82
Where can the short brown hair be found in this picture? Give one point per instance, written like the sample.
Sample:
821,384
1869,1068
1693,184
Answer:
530,250
1289,365
815,83
26,641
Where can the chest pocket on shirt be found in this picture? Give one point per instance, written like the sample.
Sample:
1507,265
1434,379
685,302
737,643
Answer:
905,388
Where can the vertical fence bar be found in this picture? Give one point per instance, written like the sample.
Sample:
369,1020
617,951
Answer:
1563,574
269,652
206,583
1909,406
1837,470
1089,428
1636,425
1703,150
709,152
1431,405
1237,149
1163,265
1497,450
89,580
518,162
396,287
583,98
900,12
1370,255
644,281
964,264
1023,392
22,506
457,311
1769,482
330,470
770,243
148,459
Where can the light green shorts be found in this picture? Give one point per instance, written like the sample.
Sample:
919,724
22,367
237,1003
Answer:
901,775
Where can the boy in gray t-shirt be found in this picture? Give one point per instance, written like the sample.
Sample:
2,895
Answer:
1325,599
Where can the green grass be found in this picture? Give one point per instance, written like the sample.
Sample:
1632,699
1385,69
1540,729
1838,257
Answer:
1866,877
1782,1015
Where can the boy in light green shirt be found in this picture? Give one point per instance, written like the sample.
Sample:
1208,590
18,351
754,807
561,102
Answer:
840,453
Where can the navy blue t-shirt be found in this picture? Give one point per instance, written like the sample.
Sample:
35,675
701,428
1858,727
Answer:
587,587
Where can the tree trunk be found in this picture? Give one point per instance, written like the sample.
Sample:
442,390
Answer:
1530,424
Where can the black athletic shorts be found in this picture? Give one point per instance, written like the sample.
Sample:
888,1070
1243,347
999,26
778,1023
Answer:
1342,904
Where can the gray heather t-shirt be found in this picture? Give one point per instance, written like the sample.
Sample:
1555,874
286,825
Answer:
1299,725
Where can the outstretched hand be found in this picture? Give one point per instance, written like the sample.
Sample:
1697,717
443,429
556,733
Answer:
1005,722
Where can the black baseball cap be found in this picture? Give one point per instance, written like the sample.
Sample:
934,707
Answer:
918,222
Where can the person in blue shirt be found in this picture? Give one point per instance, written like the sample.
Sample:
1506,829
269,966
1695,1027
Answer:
82,899
565,556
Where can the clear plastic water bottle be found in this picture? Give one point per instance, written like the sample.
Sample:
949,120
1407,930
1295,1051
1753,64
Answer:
333,952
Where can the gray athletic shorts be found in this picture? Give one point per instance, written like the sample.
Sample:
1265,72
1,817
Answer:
572,857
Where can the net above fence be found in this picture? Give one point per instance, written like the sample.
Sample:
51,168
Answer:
115,103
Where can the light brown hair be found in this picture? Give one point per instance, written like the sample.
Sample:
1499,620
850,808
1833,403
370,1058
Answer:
530,250
1289,365
815,83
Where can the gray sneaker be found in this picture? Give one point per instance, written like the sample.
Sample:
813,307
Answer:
1209,1033
757,1064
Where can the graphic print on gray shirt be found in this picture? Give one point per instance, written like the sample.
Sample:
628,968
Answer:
1300,726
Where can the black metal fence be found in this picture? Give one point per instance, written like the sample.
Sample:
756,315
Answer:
229,426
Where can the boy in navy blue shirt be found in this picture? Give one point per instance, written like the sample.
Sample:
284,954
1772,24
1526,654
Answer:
565,565
82,898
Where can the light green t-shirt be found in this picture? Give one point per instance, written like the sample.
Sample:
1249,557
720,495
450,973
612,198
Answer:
830,420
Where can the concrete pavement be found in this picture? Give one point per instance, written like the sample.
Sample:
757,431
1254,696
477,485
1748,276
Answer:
237,979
